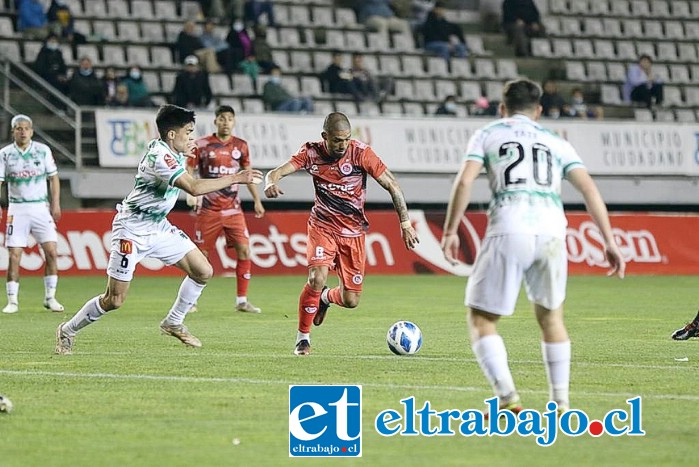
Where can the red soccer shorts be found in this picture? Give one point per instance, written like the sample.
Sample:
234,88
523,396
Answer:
210,224
344,254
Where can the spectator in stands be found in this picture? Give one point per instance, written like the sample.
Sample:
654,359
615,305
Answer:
253,9
189,43
277,98
337,79
551,102
122,97
31,19
447,107
62,22
109,84
642,86
578,108
377,15
365,83
192,88
263,51
442,37
521,21
240,42
138,93
224,55
481,107
50,65
84,88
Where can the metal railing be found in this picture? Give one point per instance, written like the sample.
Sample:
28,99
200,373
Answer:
45,99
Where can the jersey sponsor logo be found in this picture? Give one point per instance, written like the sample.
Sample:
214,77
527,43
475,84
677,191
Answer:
222,170
212,154
27,173
348,188
357,279
170,161
236,154
310,309
314,169
125,247
346,168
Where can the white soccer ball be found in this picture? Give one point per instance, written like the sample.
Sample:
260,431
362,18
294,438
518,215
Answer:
5,404
404,338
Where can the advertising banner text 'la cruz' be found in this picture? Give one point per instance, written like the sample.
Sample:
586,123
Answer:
651,244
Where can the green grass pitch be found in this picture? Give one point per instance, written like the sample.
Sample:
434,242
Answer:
129,396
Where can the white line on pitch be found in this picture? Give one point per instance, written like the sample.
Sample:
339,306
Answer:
210,379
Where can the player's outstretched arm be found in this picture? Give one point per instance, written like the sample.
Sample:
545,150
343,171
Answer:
582,181
257,202
272,178
202,186
389,183
458,202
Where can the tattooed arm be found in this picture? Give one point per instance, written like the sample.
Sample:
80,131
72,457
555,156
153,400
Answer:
389,183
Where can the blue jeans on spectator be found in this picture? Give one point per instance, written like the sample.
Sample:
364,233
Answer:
444,49
297,104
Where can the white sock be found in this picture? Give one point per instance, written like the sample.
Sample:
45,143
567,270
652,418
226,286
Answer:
240,300
303,335
88,314
12,288
50,284
189,293
557,363
492,357
324,296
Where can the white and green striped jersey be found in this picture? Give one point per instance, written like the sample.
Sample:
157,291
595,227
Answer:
26,172
525,164
154,194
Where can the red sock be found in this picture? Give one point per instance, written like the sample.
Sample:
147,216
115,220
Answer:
335,296
242,274
308,300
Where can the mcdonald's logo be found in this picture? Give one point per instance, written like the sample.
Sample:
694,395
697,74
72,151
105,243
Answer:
125,247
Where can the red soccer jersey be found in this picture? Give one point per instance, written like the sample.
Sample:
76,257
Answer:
340,185
215,158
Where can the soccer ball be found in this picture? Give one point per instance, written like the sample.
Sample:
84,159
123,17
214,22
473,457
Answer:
5,404
404,338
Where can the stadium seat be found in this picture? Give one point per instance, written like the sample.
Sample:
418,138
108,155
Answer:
89,51
578,7
242,85
694,6
616,72
575,71
345,18
653,29
377,42
371,63
661,71
403,89
334,39
83,26
685,115
152,32
220,84
161,56
370,109
570,27
142,9
593,27
167,81
299,15
31,50
444,88
558,6
691,30
191,9
172,30
667,52
686,52
437,67
281,58
553,26
645,48
674,30
323,107
321,60
354,41
151,80
289,82
484,68
414,109
104,29
680,9
692,95
604,49
639,8
10,49
76,7
470,91
612,27
461,68
680,74
68,56
672,97
695,73
348,108
323,16
403,42
493,90
562,48
6,28
583,48
619,8
596,71
610,94
390,65
114,56
96,9
660,9
541,47
599,7
663,115
626,50
138,55
310,86
165,10
642,115
118,9
301,61
413,66
424,90
129,31
253,106
475,46
507,68
391,108
632,28
289,37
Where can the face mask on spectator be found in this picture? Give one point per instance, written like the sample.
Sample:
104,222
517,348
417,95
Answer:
275,79
450,106
135,74
52,45
238,26
86,71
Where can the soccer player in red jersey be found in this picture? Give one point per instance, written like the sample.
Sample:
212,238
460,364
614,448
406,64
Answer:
339,166
217,155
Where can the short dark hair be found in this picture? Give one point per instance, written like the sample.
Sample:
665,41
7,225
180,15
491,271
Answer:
222,109
336,121
645,56
172,117
521,94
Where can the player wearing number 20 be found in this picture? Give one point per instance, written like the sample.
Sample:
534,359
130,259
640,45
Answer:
525,238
